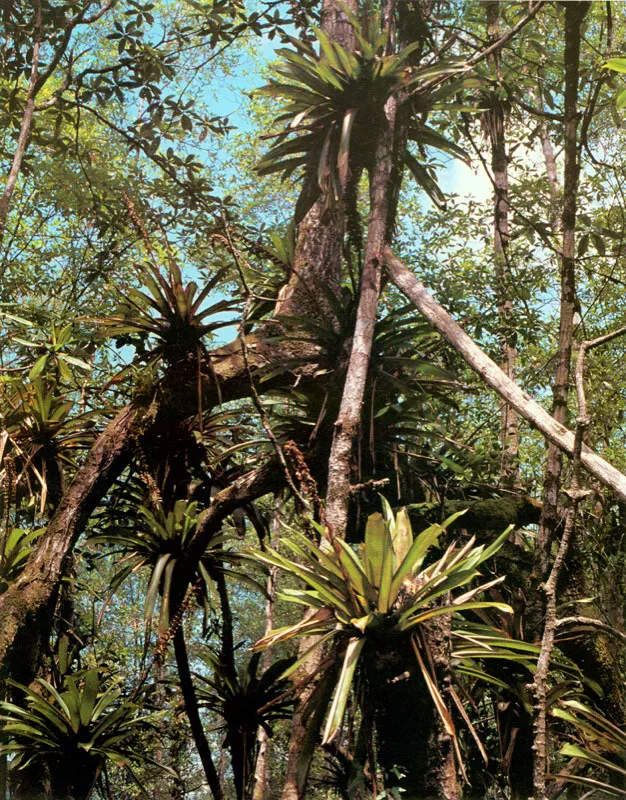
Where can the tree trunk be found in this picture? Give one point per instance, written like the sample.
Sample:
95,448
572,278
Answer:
306,723
494,121
26,607
414,751
491,374
260,786
238,750
349,417
318,257
574,16
31,784
193,714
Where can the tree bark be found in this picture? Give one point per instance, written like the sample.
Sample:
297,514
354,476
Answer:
574,15
494,121
491,374
414,752
193,714
260,786
318,257
26,607
321,225
349,417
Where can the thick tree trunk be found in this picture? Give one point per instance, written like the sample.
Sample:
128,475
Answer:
305,726
58,780
349,417
238,750
305,734
414,752
320,234
442,780
494,121
318,257
26,607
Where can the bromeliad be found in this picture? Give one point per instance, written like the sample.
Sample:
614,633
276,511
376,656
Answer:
384,594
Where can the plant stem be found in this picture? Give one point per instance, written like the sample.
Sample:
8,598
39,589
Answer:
193,715
574,17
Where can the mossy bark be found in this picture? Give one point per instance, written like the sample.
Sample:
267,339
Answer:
26,607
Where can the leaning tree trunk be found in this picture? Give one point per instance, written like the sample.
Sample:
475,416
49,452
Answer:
491,374
26,607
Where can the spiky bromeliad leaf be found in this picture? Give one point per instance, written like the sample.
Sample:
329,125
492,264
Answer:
158,539
384,587
603,746
17,546
41,436
333,100
173,313
86,719
248,700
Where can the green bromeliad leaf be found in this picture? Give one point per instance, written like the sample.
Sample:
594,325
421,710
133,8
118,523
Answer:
334,99
359,598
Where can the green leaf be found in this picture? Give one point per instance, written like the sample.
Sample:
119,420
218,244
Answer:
385,598
356,573
38,367
616,64
90,693
76,362
425,180
374,548
403,536
342,692
343,158
412,621
415,557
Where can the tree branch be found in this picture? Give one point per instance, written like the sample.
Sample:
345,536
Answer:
26,126
493,376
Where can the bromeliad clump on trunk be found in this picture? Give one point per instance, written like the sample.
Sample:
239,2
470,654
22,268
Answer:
74,730
335,101
380,602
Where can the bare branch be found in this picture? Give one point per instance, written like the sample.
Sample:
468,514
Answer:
494,377
26,126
